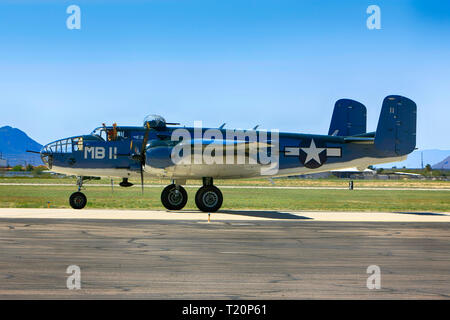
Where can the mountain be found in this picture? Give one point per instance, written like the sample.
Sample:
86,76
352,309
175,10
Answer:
13,146
414,160
444,164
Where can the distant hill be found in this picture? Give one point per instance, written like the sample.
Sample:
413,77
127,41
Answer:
13,146
430,156
444,164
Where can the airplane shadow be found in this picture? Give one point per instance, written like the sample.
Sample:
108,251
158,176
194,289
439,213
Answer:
265,214
272,214
424,213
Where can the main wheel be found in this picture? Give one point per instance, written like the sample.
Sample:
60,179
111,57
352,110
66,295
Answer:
173,197
78,200
208,198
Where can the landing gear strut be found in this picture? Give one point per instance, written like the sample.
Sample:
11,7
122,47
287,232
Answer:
77,199
208,198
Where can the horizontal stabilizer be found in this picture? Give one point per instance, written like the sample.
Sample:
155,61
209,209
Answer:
349,118
396,130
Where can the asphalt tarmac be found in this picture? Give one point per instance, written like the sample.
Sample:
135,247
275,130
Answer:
237,255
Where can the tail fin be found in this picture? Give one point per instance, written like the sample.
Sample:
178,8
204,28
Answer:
349,118
396,131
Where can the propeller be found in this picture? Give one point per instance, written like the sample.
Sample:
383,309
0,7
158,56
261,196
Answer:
140,157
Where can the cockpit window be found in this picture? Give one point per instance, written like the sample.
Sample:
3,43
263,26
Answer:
120,134
108,133
99,132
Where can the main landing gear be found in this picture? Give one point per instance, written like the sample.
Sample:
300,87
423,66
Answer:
174,197
208,198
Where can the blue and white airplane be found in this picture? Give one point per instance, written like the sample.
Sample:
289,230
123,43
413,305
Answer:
167,150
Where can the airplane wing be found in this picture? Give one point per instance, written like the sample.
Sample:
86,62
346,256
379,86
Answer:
226,144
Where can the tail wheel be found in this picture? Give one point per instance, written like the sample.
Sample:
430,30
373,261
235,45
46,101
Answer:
78,200
208,198
174,197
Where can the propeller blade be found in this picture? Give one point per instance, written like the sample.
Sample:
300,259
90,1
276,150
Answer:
142,155
142,179
144,142
32,151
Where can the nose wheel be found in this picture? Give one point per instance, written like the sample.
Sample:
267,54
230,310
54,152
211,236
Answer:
78,200
174,197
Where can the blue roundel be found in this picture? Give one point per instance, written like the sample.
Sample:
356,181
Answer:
313,153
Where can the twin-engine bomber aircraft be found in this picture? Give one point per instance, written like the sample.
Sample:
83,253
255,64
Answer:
166,150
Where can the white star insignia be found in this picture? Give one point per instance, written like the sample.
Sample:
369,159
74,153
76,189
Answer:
313,152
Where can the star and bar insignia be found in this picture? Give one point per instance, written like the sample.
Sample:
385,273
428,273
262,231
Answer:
312,154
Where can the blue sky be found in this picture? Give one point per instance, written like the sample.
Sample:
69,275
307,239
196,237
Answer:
280,64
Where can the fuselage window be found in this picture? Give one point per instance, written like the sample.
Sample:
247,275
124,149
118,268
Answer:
77,144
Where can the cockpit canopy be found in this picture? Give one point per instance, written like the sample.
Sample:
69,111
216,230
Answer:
63,146
155,122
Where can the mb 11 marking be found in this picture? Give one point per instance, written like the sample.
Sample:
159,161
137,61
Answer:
100,153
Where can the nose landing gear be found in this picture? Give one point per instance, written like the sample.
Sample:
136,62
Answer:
77,199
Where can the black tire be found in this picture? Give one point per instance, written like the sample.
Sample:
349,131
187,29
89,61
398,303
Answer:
78,200
174,199
209,199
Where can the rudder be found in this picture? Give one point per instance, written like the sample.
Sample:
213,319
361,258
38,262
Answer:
349,118
396,130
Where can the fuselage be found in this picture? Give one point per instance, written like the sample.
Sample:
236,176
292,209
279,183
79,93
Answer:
275,154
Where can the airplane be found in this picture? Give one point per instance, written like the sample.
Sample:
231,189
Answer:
168,150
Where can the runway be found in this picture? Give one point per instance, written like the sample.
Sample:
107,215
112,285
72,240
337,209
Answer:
237,255
223,215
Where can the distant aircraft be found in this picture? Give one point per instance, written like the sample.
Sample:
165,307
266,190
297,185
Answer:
167,150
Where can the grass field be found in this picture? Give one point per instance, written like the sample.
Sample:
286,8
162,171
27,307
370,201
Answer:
404,183
237,198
